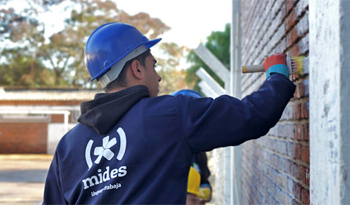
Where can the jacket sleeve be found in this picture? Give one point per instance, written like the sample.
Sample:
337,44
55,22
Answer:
226,121
53,192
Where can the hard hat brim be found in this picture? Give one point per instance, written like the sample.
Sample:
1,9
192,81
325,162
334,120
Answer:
148,44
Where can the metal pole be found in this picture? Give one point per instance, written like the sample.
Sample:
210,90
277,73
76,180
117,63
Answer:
236,92
232,89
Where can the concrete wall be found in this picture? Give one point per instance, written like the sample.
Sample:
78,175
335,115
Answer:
330,100
55,132
218,162
276,167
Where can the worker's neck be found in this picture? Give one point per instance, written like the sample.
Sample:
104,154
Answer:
123,88
118,89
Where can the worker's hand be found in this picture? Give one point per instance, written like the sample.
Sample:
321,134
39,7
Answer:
205,193
276,64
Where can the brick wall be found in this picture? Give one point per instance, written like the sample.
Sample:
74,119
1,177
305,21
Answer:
40,102
23,137
276,167
57,118
30,135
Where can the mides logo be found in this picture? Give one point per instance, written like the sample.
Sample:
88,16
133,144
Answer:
105,151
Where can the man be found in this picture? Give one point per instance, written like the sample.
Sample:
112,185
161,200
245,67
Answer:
131,147
199,160
193,190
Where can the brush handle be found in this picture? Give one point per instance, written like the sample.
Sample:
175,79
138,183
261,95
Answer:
252,68
257,69
260,68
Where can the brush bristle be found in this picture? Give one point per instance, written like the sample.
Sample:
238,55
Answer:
297,64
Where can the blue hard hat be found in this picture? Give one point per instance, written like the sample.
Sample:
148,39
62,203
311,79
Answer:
111,43
188,92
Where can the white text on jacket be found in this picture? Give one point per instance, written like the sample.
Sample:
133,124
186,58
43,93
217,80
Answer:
105,176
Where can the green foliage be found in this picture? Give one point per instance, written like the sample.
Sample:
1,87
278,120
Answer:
219,44
173,78
63,53
23,70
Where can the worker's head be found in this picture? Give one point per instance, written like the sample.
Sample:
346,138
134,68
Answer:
116,51
193,184
188,93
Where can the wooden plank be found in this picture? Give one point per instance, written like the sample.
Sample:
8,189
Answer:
208,58
214,86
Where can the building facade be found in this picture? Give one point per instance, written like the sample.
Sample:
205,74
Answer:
276,168
33,121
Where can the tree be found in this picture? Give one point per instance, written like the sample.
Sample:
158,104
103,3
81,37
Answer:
19,70
63,52
219,44
21,35
173,77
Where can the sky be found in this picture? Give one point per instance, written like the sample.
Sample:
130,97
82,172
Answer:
191,21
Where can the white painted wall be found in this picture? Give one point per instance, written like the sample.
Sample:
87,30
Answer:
219,164
55,132
329,101
345,101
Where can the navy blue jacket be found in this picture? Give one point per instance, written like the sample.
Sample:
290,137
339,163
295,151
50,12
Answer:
132,149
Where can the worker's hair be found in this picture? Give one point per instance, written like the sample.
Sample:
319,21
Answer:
121,81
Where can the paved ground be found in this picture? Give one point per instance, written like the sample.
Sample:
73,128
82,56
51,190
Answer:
22,178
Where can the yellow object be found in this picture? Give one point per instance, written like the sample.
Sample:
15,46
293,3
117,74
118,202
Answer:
193,182
297,64
205,193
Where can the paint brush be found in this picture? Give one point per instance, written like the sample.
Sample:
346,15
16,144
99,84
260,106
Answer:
294,64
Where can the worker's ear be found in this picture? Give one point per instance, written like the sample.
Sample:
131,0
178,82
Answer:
137,69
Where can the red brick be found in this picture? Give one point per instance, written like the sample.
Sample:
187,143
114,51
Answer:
299,132
305,155
305,110
305,196
297,111
42,102
300,90
27,136
307,176
23,138
57,118
289,4
306,137
295,49
297,191
302,173
293,33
